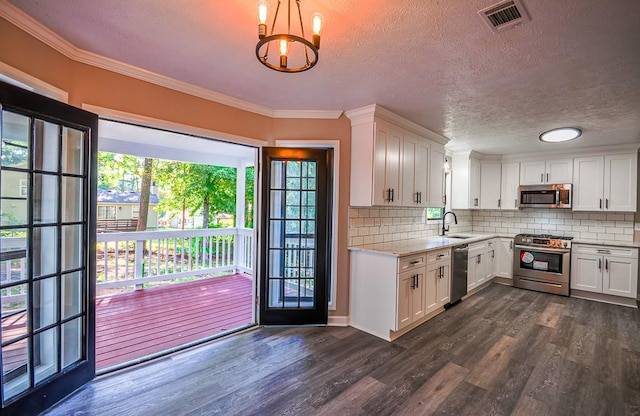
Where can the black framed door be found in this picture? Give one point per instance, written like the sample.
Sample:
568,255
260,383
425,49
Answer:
47,250
296,238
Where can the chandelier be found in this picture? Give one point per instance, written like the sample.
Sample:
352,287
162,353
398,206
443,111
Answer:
296,54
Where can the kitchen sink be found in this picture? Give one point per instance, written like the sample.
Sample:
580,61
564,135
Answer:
459,236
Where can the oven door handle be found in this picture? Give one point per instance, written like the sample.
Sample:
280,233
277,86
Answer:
544,250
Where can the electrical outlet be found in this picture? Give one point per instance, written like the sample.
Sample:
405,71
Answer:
637,227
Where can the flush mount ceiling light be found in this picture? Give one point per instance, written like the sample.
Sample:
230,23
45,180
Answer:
563,134
296,54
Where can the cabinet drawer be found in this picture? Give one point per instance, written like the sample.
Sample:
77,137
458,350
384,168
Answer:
411,262
631,253
435,256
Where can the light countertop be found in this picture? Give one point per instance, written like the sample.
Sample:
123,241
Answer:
420,245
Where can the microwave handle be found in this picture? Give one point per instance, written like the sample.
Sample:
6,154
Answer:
558,202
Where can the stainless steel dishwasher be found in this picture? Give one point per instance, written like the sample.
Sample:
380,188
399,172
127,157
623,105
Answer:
459,275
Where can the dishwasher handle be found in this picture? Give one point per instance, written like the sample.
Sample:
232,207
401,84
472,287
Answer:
461,248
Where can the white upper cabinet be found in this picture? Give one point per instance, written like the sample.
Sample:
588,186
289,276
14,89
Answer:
510,181
490,181
436,176
465,181
415,171
605,183
392,160
549,171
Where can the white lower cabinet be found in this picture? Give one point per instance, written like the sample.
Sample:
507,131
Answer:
503,266
388,294
605,269
481,263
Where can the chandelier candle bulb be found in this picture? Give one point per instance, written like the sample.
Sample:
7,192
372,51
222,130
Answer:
316,23
263,10
283,53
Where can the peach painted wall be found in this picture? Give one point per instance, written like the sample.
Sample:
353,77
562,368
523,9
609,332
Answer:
86,84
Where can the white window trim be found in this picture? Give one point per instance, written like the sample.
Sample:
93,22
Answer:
335,145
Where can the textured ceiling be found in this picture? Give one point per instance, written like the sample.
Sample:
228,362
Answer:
434,62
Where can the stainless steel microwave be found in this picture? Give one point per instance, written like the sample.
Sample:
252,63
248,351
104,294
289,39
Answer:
545,196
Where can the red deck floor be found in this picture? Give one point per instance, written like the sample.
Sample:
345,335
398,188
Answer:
136,324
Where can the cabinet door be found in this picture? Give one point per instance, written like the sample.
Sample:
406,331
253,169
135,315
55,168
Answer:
490,180
559,171
586,272
418,296
436,177
474,183
405,299
620,277
415,171
588,183
532,173
444,285
504,258
386,175
472,274
510,180
620,182
431,287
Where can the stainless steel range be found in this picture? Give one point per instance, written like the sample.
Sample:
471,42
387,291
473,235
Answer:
542,262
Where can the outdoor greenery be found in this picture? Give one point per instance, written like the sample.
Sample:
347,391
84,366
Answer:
185,189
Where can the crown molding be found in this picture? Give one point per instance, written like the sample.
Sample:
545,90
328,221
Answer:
368,114
36,29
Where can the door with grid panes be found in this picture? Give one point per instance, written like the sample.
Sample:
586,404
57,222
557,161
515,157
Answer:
295,254
47,250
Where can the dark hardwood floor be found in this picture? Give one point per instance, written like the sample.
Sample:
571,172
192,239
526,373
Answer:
502,351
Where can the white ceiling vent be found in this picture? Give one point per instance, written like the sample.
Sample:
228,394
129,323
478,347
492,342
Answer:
504,15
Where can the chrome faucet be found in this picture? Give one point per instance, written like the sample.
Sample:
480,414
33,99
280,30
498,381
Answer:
445,229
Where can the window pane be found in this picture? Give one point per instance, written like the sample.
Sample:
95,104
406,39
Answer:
45,306
434,213
15,140
45,198
13,267
15,368
71,294
46,145
14,312
45,250
14,189
72,206
72,253
71,342
72,151
46,344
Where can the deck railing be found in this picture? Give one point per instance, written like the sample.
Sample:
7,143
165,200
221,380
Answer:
135,258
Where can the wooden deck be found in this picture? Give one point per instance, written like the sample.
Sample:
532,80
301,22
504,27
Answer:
133,325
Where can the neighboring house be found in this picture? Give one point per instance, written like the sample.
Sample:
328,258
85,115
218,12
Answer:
121,209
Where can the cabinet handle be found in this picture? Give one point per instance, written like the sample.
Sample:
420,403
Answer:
420,201
541,177
600,203
599,264
412,262
493,254
413,282
510,245
547,177
498,203
392,194
444,199
516,203
606,264
606,203
479,259
440,256
475,202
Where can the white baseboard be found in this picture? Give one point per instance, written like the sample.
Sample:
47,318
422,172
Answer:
338,321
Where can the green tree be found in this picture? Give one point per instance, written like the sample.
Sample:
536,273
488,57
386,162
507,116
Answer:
248,197
120,172
194,187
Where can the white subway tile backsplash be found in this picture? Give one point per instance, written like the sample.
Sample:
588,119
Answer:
376,225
